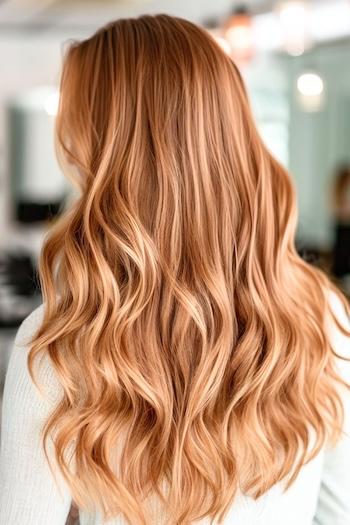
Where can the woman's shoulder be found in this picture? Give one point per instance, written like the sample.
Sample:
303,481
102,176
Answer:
18,381
28,492
340,340
29,325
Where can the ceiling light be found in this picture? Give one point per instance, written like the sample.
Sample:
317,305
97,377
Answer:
310,91
310,84
293,15
238,32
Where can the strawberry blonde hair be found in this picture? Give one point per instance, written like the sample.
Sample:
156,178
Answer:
186,332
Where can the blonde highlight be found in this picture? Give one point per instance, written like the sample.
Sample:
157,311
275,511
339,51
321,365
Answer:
174,294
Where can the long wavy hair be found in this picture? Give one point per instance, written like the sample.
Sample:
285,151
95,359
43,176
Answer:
187,333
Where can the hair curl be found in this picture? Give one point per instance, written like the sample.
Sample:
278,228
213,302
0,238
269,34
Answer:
187,333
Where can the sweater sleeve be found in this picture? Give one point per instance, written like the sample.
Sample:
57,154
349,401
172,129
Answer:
29,493
333,506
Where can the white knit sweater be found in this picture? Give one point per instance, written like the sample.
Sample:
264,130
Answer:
29,495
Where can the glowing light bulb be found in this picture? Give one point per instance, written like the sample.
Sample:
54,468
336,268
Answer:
238,32
310,84
293,16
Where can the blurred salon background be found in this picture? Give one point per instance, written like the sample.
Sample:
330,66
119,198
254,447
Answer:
295,58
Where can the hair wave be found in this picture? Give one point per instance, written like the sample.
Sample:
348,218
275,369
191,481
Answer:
187,333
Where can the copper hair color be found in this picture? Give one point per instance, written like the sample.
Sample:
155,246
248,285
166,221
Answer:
187,333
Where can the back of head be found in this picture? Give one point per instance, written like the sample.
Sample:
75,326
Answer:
174,295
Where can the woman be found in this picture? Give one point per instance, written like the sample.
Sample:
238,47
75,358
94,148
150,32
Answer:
184,365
